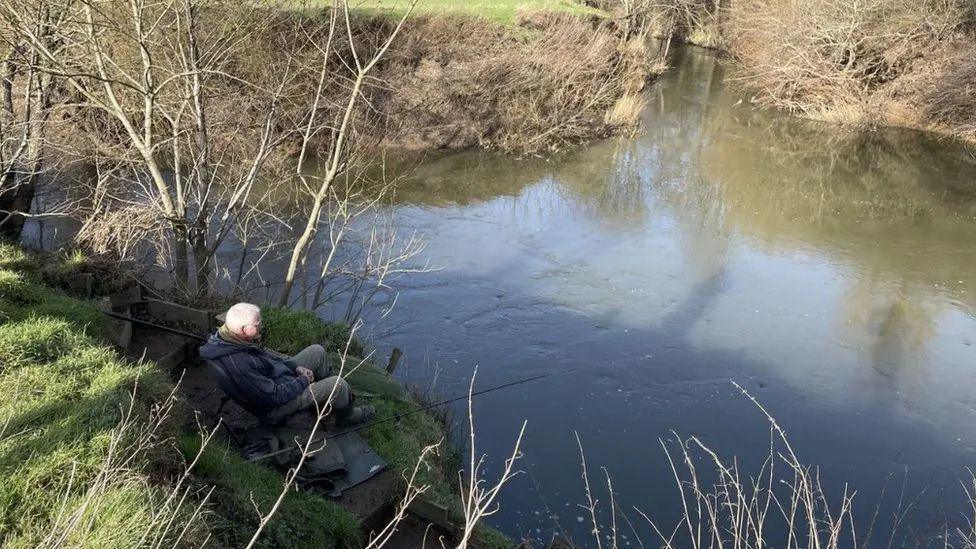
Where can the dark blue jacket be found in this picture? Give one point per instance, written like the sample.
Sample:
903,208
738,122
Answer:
259,380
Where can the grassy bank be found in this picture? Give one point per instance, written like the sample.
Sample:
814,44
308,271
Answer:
92,452
309,520
501,11
400,443
83,460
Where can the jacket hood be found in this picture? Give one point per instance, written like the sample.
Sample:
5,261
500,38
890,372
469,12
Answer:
216,348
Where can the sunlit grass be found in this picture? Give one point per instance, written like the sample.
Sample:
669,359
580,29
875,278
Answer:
503,11
62,397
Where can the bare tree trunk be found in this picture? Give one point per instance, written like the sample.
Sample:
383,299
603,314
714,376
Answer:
18,200
181,261
202,176
23,167
8,179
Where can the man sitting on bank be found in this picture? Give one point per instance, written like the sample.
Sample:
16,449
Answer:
269,385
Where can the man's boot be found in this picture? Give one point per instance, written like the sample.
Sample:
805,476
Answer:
352,415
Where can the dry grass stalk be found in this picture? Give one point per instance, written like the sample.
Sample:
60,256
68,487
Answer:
412,491
479,498
738,510
170,522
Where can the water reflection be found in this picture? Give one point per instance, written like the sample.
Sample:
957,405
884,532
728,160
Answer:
834,270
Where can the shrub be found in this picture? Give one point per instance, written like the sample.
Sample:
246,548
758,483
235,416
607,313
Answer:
464,82
816,57
949,95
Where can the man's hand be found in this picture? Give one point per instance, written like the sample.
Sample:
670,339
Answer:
306,373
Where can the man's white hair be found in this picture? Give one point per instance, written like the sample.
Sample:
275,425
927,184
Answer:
241,315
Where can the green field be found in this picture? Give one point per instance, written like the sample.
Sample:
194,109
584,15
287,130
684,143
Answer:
499,10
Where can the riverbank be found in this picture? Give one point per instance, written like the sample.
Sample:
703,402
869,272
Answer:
81,427
865,66
512,76
100,450
542,83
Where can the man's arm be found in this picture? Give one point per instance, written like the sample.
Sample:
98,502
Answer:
276,390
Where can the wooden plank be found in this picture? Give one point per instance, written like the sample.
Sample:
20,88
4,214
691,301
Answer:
434,513
83,283
173,358
166,311
121,331
126,297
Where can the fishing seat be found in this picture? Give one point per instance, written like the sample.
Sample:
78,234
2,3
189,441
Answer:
254,438
334,467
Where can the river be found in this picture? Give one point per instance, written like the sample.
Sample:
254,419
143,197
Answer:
831,274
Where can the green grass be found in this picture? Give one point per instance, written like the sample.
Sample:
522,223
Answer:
304,519
62,395
502,11
288,332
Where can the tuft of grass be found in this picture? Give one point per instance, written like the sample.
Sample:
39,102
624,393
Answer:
290,331
304,519
37,341
15,290
626,112
12,256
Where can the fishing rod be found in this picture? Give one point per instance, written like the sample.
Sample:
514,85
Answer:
363,427
402,415
148,324
397,417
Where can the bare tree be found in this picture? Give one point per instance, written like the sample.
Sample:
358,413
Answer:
336,157
165,90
